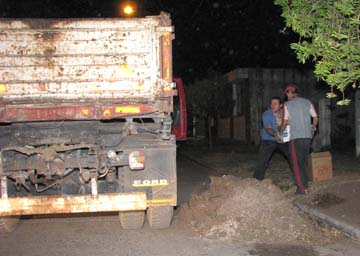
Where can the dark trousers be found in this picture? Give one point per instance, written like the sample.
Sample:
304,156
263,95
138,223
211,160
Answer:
299,150
267,149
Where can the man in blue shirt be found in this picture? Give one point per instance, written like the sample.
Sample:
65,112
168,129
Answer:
270,142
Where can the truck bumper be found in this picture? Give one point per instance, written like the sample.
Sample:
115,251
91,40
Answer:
73,204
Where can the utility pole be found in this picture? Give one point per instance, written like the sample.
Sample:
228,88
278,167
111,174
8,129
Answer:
325,123
357,122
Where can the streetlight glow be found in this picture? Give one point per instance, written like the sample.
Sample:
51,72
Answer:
128,9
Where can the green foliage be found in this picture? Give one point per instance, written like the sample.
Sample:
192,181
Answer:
330,36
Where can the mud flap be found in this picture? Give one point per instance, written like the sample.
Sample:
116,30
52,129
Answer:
158,180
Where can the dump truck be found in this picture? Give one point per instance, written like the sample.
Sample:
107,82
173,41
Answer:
86,119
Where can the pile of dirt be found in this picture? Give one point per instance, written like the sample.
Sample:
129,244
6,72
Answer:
247,210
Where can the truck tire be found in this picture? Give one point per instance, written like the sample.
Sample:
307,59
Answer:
160,217
132,220
8,224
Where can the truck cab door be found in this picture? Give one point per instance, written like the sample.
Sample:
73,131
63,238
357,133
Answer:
179,128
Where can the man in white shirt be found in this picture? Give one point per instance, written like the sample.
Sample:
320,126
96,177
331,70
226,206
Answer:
298,113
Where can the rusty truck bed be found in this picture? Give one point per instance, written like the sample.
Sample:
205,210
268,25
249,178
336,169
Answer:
84,68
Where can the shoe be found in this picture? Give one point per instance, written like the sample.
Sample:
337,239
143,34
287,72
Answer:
299,192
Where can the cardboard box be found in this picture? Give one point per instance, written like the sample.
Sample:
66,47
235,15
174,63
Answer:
320,166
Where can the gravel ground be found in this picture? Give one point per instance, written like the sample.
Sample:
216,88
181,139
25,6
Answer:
102,235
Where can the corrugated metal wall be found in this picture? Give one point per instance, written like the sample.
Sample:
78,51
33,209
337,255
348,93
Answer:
256,86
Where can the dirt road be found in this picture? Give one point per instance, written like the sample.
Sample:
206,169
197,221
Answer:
102,235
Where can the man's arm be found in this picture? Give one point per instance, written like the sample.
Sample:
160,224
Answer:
271,132
315,122
284,121
267,124
282,127
315,117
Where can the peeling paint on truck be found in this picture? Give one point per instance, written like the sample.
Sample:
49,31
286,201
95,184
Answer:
84,60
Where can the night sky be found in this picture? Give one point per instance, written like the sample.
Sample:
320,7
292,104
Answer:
212,36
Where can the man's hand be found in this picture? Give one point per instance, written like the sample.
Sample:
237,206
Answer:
279,138
271,132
